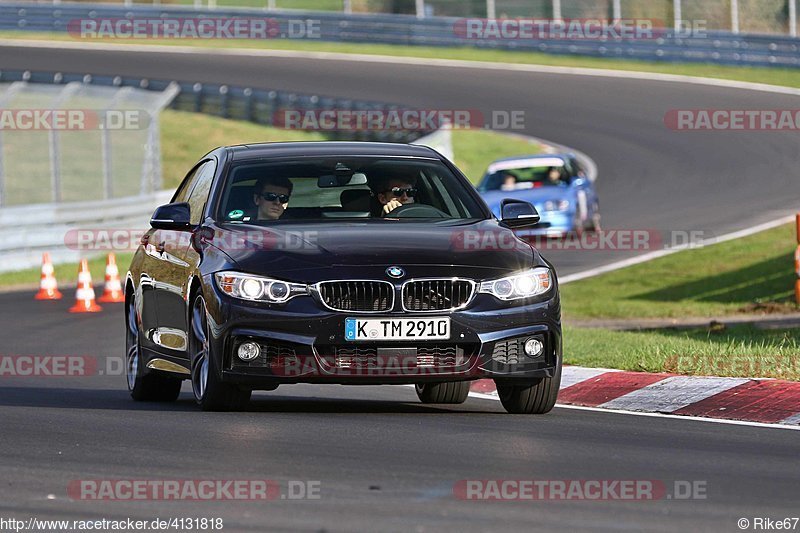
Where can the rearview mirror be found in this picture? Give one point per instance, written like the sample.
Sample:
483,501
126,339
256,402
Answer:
517,214
172,217
341,180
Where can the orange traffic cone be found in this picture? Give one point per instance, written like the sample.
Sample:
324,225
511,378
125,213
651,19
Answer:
113,289
48,286
84,296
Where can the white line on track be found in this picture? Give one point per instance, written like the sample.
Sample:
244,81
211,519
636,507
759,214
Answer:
654,415
669,251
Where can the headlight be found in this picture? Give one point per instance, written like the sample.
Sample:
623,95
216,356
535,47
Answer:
258,289
534,282
556,205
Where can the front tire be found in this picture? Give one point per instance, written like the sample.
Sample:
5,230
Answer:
210,392
144,385
443,393
535,399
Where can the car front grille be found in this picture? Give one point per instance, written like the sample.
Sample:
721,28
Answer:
360,296
441,357
437,294
507,352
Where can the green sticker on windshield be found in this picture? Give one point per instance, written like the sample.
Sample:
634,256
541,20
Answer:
236,213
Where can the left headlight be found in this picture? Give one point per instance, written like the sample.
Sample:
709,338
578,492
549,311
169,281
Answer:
534,282
257,288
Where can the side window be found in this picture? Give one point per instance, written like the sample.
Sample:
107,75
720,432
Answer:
199,195
182,194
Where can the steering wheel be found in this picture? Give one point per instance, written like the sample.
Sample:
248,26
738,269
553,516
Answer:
416,211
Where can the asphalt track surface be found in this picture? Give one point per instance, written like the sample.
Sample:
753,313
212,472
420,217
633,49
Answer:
384,461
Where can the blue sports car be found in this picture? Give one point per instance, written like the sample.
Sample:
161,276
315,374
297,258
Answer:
556,184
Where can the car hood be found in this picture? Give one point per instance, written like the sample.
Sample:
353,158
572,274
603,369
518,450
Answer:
478,250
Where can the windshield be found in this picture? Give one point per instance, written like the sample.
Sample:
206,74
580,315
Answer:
333,189
530,177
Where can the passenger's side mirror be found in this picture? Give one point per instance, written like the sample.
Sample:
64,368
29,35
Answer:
517,214
172,217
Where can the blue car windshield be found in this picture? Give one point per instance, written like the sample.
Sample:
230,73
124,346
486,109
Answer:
339,188
517,179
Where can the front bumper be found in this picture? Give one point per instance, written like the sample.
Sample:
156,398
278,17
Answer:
303,343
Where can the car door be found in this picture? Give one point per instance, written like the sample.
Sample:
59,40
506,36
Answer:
157,270
181,260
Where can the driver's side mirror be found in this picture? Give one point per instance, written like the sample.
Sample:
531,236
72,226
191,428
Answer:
172,217
517,214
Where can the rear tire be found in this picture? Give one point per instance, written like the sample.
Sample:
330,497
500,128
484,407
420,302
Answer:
536,399
443,393
144,385
210,392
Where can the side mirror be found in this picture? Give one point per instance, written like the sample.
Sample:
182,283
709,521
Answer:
578,181
517,214
172,217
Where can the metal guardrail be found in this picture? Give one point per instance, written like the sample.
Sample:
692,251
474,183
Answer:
261,106
714,47
26,231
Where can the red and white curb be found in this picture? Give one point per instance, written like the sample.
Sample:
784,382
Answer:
764,401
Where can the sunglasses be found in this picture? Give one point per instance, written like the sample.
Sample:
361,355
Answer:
398,192
271,197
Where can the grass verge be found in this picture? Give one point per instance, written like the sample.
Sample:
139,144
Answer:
749,275
740,351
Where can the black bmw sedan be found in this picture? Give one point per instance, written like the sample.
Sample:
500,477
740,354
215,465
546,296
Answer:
339,262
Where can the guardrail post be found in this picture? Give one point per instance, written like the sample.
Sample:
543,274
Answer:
556,9
347,6
420,5
793,18
677,14
617,10
491,9
735,16
797,263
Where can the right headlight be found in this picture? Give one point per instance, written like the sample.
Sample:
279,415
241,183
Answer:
534,282
258,289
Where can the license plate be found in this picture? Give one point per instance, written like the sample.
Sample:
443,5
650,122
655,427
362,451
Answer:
396,329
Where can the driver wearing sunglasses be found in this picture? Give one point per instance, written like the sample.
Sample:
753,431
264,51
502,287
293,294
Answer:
271,196
395,194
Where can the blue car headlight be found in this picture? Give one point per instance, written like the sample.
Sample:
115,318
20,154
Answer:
534,282
257,288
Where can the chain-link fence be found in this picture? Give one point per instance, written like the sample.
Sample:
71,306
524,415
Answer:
78,142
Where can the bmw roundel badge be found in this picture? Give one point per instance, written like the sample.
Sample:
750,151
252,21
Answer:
395,272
